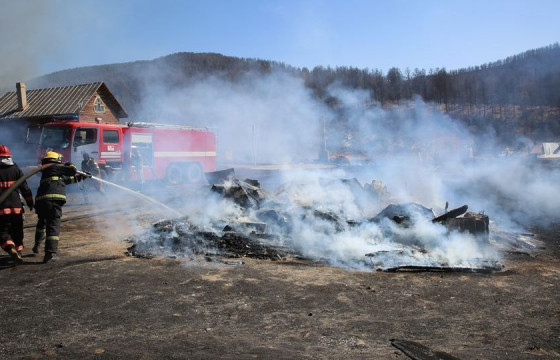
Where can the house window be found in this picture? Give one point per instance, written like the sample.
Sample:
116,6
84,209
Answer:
98,105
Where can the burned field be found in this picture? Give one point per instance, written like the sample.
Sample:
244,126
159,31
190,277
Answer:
245,289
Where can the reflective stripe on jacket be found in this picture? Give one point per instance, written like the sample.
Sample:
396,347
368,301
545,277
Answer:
9,174
54,180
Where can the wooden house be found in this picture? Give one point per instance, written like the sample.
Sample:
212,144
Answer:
23,112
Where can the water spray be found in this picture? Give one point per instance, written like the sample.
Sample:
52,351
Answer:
135,193
35,170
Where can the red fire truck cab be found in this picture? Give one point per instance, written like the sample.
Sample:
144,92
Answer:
176,154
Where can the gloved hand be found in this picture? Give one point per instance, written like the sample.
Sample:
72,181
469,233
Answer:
30,206
83,175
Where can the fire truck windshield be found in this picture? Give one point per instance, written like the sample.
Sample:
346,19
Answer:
56,137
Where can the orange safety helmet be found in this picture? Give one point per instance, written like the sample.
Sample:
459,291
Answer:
4,151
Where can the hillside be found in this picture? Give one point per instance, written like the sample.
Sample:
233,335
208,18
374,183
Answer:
519,94
129,81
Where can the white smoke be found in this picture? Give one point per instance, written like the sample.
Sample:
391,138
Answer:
39,36
426,156
346,242
269,118
422,155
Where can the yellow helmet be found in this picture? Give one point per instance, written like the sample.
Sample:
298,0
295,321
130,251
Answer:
53,155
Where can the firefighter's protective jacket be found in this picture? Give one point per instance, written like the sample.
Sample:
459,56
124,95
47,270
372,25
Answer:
54,180
9,174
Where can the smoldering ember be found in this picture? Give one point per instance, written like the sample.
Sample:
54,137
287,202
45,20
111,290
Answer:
287,224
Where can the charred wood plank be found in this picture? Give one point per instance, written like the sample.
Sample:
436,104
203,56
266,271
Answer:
451,214
417,351
419,268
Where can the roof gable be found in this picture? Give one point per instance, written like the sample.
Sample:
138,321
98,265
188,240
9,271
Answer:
67,100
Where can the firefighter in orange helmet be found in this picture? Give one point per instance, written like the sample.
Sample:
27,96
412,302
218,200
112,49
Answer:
50,198
11,209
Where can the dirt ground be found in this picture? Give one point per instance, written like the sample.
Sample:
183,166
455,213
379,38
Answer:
95,302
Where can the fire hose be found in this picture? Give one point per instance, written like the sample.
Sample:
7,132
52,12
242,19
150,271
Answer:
20,181
85,174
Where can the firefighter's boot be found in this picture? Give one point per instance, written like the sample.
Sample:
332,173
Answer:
49,257
39,237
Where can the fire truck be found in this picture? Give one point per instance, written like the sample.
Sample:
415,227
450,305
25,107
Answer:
176,154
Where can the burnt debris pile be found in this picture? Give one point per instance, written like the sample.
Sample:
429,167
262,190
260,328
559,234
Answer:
178,237
340,222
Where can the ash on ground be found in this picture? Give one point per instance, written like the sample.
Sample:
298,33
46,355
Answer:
330,221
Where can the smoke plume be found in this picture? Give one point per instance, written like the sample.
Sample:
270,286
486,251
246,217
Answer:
422,156
264,119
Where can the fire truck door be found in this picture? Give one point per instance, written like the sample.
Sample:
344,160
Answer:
111,146
86,140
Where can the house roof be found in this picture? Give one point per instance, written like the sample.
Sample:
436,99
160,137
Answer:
67,100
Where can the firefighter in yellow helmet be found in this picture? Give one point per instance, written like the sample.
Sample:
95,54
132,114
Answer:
50,198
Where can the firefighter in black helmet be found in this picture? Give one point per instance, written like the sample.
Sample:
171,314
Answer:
11,209
50,198
138,164
91,167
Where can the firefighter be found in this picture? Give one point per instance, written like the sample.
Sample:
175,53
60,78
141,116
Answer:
138,164
50,198
91,167
11,209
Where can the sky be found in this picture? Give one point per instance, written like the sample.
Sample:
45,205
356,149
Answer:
43,36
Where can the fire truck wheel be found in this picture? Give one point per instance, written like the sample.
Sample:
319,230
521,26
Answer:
193,173
173,175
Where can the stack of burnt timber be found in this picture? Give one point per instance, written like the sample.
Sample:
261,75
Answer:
245,193
269,228
476,224
180,237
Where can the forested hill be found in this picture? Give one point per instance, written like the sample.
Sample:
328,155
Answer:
521,92
129,81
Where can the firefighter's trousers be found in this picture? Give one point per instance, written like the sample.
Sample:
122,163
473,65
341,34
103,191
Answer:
11,231
49,213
